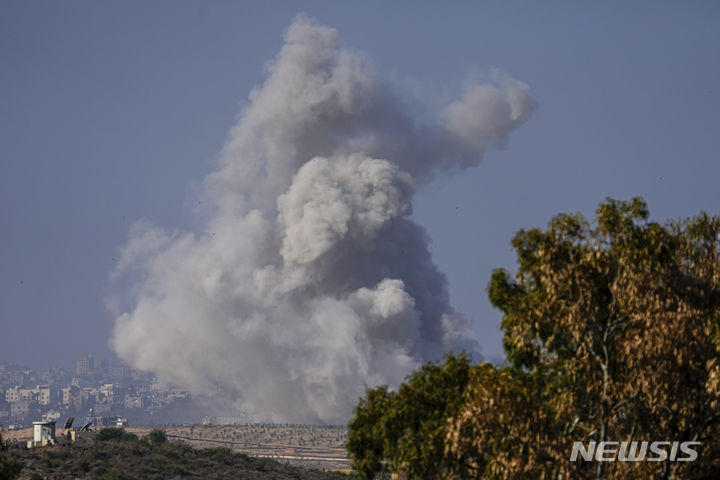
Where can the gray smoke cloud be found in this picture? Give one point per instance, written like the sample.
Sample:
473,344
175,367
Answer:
308,281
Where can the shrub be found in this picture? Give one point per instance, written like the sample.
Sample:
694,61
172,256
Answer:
8,467
129,437
114,475
156,436
110,433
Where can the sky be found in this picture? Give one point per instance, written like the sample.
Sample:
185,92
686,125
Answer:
113,113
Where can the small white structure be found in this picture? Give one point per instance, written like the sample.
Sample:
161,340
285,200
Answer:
43,433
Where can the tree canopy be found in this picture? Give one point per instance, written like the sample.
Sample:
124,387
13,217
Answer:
405,430
611,331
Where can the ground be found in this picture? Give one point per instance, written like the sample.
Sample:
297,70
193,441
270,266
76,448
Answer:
313,446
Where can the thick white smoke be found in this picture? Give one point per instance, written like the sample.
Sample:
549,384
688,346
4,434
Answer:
309,282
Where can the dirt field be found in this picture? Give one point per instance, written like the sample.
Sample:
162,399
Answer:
306,445
17,435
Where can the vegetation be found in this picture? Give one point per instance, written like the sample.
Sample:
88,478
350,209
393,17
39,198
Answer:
113,433
156,436
9,468
406,430
114,456
611,332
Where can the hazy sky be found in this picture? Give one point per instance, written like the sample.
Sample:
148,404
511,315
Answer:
112,112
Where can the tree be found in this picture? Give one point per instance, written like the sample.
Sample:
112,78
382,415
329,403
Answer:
157,436
115,433
9,468
611,334
503,428
405,430
365,441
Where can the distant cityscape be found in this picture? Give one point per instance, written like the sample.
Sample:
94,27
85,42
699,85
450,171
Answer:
117,395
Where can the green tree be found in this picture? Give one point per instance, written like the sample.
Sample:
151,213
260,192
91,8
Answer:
613,329
9,468
365,441
157,436
109,433
612,333
406,430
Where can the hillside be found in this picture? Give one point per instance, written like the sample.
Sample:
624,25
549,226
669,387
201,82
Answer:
310,446
139,459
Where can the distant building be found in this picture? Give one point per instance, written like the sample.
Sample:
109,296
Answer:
102,367
177,394
134,401
41,394
110,393
12,394
213,421
119,371
20,409
86,365
103,408
111,421
72,397
91,394
51,416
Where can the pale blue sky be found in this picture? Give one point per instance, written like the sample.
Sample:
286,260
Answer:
112,112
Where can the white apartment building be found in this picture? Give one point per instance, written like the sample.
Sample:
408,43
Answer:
72,396
20,409
41,394
12,394
134,401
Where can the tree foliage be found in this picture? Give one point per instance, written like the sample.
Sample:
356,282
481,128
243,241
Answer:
611,331
157,436
9,468
150,461
405,430
115,433
366,441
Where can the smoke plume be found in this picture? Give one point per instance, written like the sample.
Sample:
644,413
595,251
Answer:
308,281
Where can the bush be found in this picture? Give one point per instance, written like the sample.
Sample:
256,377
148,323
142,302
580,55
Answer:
129,437
156,436
114,475
111,433
8,467
114,433
99,454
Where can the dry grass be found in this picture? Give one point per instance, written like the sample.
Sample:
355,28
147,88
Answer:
307,445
